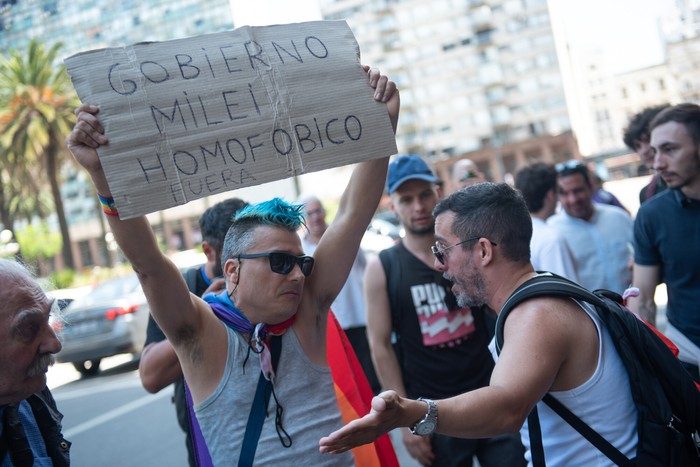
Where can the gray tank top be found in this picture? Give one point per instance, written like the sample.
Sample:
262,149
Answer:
304,390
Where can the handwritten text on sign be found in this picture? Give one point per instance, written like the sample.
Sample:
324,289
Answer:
193,117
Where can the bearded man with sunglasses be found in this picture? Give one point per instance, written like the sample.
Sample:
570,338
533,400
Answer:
271,288
440,349
551,345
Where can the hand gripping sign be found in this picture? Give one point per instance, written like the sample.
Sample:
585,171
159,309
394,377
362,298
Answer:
193,117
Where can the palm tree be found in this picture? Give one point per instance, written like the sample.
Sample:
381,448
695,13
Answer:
20,197
36,113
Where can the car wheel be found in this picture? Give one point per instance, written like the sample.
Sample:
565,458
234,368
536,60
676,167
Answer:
88,367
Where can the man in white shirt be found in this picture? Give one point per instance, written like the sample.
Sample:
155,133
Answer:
598,235
548,250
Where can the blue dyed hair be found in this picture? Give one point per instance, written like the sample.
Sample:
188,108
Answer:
275,212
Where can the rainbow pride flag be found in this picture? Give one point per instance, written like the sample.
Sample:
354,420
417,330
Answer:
354,395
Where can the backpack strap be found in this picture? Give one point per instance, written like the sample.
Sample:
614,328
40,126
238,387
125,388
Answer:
549,284
544,284
256,417
586,431
535,431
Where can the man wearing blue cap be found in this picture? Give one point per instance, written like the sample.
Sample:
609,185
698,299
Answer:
441,350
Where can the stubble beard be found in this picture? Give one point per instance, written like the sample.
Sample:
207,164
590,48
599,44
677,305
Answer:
683,180
477,298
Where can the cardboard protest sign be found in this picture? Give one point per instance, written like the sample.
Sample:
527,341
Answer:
192,117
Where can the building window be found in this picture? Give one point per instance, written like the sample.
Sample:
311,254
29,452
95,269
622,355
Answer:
484,37
50,9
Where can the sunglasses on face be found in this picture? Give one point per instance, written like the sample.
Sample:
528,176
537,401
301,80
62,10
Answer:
439,251
283,263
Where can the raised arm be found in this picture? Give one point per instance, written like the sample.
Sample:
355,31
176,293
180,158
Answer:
181,316
172,310
338,247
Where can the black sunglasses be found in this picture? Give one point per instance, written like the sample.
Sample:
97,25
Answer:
283,263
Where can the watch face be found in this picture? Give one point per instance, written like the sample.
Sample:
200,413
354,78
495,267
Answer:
425,427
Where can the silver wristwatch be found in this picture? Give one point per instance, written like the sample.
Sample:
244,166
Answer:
428,424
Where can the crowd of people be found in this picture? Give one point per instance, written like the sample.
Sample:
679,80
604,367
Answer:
245,338
492,239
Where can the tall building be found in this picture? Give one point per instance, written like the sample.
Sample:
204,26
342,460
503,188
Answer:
93,24
601,100
473,75
683,20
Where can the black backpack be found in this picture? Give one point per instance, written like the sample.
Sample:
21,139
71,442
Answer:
667,400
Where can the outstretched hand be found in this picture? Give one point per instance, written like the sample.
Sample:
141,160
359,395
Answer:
385,415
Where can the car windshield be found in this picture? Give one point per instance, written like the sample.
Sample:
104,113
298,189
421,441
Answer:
115,288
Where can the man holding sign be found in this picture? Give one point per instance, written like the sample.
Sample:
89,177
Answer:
266,294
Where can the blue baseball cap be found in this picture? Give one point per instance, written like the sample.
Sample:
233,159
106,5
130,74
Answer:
405,168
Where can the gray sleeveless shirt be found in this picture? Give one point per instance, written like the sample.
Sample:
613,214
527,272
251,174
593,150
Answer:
304,390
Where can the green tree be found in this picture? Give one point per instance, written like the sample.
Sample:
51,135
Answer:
20,197
6,217
36,114
37,243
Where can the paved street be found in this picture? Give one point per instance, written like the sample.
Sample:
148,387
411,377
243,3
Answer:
113,422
